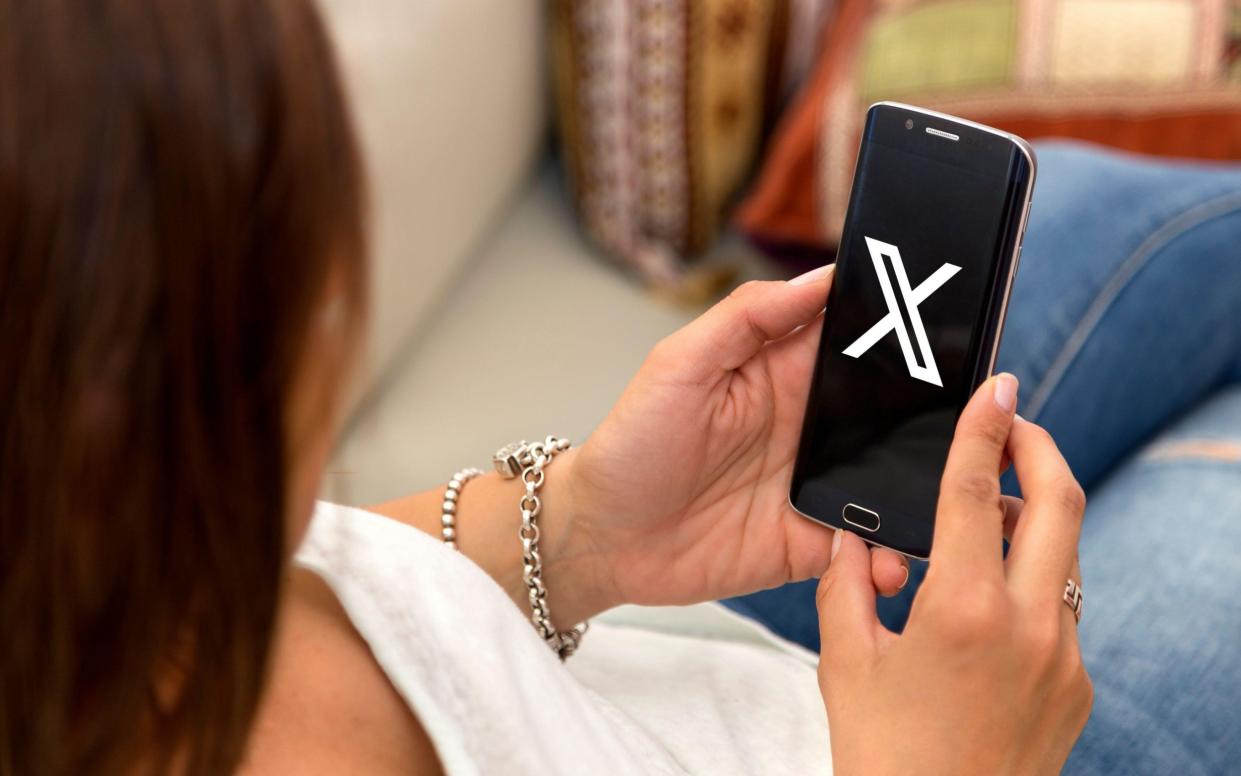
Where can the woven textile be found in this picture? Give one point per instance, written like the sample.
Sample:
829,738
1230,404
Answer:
661,108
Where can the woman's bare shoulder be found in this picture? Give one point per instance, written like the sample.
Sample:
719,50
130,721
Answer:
329,708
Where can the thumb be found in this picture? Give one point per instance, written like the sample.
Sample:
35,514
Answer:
755,313
846,600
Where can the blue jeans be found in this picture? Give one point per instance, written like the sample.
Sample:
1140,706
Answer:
1125,331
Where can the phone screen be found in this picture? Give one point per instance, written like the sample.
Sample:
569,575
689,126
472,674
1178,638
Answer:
910,322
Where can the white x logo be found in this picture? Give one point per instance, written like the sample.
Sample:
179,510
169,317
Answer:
892,321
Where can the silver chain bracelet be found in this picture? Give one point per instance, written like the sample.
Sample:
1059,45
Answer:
527,461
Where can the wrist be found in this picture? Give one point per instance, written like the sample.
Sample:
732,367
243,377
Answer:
575,569
575,573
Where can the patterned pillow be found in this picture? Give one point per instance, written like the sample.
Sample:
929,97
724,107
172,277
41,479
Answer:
1155,76
661,107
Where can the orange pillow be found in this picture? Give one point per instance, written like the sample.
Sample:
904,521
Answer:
1154,76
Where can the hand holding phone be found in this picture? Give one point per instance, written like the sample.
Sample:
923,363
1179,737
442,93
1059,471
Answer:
987,676
681,493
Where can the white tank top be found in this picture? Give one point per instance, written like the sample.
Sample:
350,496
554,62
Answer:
719,696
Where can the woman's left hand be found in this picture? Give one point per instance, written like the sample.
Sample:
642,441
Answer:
681,495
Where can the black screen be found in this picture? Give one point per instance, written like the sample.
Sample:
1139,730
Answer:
934,220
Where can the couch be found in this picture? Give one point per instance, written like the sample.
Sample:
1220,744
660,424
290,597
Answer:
492,317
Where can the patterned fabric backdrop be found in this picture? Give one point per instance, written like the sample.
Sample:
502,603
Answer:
662,105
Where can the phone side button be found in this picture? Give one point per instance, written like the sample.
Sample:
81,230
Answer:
866,519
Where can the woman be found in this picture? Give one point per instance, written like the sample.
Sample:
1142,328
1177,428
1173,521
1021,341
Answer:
180,291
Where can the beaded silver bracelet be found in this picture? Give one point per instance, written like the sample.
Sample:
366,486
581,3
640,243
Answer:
448,518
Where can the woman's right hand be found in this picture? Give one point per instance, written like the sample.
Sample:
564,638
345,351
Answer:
987,677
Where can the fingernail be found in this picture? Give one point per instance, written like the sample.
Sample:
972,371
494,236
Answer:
904,581
836,543
817,273
1005,391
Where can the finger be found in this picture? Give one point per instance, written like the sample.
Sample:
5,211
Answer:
792,359
969,518
888,570
846,600
1012,514
1044,542
790,362
757,312
809,546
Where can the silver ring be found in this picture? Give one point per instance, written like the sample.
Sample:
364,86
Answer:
1073,597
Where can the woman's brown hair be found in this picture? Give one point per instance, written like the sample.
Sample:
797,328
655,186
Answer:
178,189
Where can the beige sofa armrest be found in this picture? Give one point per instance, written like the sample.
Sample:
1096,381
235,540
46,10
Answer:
450,107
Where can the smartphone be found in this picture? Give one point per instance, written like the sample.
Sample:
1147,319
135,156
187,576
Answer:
930,246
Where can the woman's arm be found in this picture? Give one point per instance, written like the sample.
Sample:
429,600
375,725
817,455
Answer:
681,494
487,521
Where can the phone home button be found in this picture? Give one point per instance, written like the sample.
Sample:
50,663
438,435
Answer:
866,519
